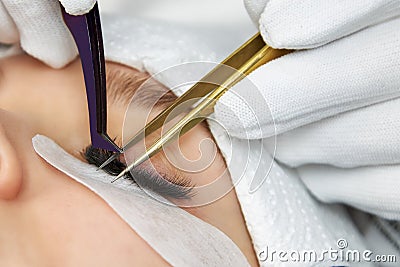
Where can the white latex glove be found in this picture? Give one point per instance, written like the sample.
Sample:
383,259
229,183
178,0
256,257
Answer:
332,104
39,29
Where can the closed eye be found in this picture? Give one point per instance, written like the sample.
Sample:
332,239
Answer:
175,187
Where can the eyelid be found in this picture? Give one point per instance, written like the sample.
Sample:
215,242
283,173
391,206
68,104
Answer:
176,186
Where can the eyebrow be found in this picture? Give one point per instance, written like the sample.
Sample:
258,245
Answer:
124,83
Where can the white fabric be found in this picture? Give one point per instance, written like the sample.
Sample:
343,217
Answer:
201,18
381,236
39,28
152,47
310,23
78,7
180,238
281,214
371,189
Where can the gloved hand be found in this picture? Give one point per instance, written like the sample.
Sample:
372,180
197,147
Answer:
309,85
352,70
39,29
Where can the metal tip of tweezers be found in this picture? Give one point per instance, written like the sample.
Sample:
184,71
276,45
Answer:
108,161
122,174
137,162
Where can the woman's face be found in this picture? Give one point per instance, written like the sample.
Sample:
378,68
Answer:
45,216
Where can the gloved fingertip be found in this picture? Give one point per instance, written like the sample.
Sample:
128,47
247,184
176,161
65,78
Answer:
277,34
269,38
288,25
59,64
255,8
77,7
8,29
57,59
308,24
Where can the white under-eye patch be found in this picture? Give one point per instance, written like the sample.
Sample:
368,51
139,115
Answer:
180,238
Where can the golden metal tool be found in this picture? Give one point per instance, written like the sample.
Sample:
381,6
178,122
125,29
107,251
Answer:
211,87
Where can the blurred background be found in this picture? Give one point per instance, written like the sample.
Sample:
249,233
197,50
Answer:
223,24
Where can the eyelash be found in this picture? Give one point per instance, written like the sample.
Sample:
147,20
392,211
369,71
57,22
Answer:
176,186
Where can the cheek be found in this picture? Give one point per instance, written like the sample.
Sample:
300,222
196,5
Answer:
52,101
64,221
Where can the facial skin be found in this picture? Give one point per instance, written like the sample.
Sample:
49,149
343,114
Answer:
48,219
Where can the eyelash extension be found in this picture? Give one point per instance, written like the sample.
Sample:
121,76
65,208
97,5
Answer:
176,187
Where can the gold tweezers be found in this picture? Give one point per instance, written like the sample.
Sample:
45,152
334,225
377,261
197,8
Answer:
211,87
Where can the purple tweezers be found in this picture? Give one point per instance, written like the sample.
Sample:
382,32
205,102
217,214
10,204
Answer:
86,30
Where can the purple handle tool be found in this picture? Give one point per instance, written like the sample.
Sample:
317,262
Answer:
86,30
